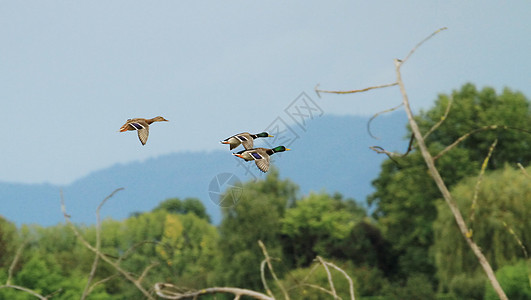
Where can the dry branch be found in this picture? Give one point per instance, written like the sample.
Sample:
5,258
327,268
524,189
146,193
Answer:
100,254
442,186
270,266
429,160
476,188
318,91
330,281
170,291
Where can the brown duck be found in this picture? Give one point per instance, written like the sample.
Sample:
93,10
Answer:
141,126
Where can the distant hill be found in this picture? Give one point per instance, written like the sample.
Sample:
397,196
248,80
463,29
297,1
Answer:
329,153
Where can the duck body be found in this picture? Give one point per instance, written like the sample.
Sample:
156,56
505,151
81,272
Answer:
141,125
260,156
245,138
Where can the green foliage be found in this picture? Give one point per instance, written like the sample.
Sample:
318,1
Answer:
405,194
515,280
468,287
417,287
257,216
317,224
8,235
188,205
501,221
302,283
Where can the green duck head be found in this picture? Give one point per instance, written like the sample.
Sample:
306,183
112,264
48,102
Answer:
263,134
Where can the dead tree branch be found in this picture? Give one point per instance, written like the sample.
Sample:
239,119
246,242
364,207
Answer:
318,91
440,183
330,281
430,162
170,291
270,266
10,276
376,115
100,254
476,189
87,288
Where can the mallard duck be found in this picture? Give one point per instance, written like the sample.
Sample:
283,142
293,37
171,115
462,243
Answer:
142,126
244,138
260,156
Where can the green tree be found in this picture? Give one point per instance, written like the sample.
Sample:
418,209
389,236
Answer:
515,280
256,216
318,225
501,223
405,194
177,206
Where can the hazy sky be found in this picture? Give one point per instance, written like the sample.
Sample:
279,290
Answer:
72,72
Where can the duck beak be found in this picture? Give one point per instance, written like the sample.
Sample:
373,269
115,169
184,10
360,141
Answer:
287,149
239,155
270,135
224,142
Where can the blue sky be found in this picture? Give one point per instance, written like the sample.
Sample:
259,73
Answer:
72,72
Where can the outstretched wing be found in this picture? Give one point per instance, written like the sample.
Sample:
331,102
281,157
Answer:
261,161
143,134
247,141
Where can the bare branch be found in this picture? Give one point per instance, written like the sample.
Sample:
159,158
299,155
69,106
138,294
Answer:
476,188
14,263
376,115
98,245
21,288
420,43
465,136
262,276
330,281
523,169
391,155
270,266
350,283
511,231
101,255
146,270
443,118
170,291
318,91
442,187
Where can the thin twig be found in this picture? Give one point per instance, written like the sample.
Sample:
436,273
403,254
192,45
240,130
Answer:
270,266
462,138
98,245
329,275
350,283
101,255
420,43
318,91
511,231
376,115
21,288
100,282
390,154
14,263
523,169
262,276
476,188
443,118
146,270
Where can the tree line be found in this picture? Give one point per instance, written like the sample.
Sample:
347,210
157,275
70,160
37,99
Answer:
403,244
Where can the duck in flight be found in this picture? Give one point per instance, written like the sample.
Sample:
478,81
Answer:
245,138
260,156
141,126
